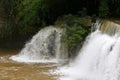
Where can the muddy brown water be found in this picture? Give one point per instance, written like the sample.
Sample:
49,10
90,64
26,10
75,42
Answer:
11,70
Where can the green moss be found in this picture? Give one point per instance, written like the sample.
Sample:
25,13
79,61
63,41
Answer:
76,31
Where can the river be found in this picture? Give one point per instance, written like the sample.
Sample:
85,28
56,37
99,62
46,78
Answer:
11,70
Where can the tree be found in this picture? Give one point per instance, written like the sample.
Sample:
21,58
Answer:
103,8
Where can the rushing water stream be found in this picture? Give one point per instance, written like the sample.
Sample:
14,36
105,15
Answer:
99,58
10,70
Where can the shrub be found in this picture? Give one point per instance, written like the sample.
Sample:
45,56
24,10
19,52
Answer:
76,31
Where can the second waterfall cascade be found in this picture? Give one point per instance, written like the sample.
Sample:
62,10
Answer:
99,58
45,46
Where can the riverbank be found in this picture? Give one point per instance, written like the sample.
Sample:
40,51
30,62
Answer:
11,70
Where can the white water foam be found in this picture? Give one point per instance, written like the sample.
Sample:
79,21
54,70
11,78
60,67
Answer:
43,47
99,59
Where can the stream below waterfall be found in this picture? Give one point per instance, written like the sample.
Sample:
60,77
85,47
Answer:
11,70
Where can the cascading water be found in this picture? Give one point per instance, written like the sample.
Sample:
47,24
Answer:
99,58
110,28
43,47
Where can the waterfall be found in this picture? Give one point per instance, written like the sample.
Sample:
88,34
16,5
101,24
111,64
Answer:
99,58
110,28
45,46
96,25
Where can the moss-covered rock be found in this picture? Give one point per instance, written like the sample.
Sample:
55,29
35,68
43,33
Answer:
76,31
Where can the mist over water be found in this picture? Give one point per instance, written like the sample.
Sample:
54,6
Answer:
99,58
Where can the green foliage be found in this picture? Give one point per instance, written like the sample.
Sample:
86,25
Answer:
39,12
8,15
76,31
66,20
109,8
114,8
75,35
103,8
70,20
31,12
